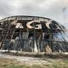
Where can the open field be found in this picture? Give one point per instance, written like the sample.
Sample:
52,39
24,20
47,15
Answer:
7,61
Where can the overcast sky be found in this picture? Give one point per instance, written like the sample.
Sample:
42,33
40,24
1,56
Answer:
47,8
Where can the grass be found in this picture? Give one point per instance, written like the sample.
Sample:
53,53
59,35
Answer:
58,63
61,64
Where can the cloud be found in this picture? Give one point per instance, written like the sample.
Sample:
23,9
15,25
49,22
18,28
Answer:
47,8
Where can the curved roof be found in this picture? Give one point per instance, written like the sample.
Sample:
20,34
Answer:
24,17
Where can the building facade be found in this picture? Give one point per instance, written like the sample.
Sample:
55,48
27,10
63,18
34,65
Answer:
30,34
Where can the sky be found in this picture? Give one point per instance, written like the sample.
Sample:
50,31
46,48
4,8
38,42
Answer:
53,9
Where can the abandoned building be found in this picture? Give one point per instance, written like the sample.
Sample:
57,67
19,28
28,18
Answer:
31,34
